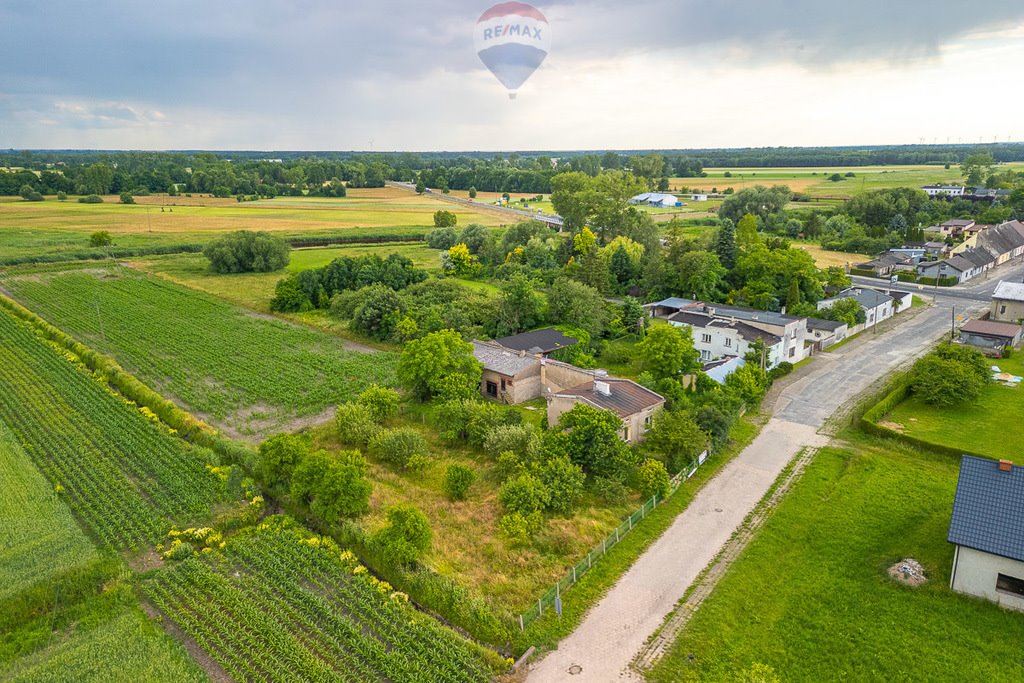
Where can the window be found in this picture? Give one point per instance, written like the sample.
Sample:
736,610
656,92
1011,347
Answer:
792,352
492,389
728,342
625,434
706,338
1002,309
503,384
1010,584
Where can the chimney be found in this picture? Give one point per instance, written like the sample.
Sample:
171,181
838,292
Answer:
603,388
1005,465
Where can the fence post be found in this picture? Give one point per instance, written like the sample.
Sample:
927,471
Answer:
540,607
616,534
631,522
604,545
589,563
521,627
574,573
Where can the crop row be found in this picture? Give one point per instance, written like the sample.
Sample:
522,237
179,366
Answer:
275,607
127,478
213,357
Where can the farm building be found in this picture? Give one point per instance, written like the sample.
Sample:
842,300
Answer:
698,197
633,403
508,376
1008,302
990,335
657,200
986,528
944,190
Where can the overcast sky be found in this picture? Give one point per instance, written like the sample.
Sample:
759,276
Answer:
403,75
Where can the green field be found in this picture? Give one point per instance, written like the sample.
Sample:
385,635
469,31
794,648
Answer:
255,290
251,375
310,612
33,228
815,182
810,596
39,538
123,648
978,427
127,479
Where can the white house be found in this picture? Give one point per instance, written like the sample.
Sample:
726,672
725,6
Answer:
988,516
944,190
955,266
717,338
826,333
698,197
877,305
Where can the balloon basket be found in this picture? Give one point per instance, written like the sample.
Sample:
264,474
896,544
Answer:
512,95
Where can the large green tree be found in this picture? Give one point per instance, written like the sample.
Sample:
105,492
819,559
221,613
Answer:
520,306
667,352
575,304
440,363
590,437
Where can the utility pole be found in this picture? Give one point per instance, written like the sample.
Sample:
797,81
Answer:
952,324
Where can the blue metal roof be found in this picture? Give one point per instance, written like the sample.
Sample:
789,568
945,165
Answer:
988,511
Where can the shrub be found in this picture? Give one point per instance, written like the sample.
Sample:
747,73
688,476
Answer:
652,478
378,312
127,198
564,483
610,490
521,439
442,238
332,487
780,370
355,424
524,494
245,251
91,199
405,538
445,219
62,196
457,481
380,402
945,382
289,297
279,456
519,528
440,364
100,238
398,446
677,439
510,465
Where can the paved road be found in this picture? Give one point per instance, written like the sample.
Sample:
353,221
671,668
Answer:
614,631
549,218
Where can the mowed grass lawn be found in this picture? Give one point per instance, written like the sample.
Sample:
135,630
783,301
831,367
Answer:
988,426
255,290
32,228
39,538
810,596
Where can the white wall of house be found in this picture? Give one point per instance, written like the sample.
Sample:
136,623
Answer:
976,573
714,343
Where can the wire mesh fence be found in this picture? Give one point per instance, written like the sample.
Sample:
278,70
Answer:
552,598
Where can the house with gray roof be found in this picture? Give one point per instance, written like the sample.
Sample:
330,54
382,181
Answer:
1008,302
826,333
508,376
955,266
987,529
876,304
717,338
543,342
634,404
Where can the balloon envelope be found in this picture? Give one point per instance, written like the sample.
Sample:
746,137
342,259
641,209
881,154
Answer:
512,39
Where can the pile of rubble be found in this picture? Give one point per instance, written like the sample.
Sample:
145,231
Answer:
908,571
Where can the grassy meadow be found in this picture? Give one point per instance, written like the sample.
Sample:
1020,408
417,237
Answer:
810,596
979,427
249,374
51,226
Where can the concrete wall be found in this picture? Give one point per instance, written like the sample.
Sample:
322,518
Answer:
1007,311
975,573
523,387
557,376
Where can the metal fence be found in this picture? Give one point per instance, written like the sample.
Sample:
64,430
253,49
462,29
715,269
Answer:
552,599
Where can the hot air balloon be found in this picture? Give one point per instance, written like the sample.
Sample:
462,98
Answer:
512,39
